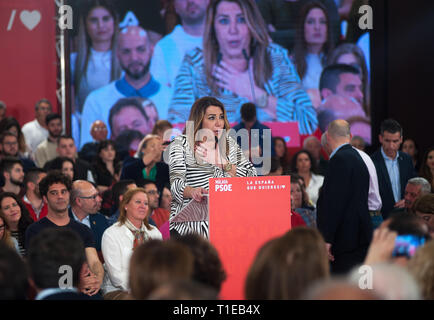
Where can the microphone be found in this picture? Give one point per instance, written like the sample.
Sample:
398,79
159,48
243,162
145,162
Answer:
246,56
216,141
219,58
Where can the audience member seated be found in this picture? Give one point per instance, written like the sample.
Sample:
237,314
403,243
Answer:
104,165
155,263
47,149
16,217
313,145
52,252
314,42
36,131
9,148
284,267
304,165
32,199
127,143
159,215
415,188
300,205
137,81
281,152
421,266
358,142
5,236
394,168
85,204
351,54
251,69
166,197
183,290
147,165
55,190
13,274
120,240
11,124
66,148
208,268
410,147
117,194
11,170
170,50
427,167
62,164
99,132
424,209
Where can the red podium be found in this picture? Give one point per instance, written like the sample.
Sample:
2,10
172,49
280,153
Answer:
244,213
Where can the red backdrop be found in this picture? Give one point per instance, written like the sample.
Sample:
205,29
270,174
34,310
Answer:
28,67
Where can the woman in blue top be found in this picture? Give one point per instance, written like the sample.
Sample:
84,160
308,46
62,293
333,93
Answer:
238,64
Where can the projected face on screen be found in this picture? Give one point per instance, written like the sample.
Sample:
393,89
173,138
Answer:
225,49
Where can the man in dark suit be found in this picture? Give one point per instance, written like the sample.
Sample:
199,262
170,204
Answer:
56,257
85,204
342,209
394,168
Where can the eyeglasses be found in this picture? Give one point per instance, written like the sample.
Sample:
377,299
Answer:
153,192
10,143
90,197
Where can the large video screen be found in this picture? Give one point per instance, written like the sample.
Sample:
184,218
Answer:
133,62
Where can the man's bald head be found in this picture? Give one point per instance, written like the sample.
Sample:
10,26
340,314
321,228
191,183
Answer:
339,129
80,188
98,130
134,52
338,133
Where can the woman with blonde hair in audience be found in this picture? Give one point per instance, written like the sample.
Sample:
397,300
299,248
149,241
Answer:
121,239
147,163
286,266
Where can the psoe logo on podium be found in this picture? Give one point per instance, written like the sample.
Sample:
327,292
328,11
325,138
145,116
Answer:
244,213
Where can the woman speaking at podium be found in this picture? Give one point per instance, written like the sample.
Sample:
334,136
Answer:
204,151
